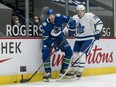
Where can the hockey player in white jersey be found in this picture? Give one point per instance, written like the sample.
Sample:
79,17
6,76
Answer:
88,28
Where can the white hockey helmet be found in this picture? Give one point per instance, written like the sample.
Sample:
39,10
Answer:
80,7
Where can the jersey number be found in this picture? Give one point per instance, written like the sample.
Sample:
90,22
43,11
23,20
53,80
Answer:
80,29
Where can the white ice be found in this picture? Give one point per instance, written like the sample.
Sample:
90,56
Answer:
108,80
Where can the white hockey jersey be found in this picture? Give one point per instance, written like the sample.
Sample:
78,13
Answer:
85,26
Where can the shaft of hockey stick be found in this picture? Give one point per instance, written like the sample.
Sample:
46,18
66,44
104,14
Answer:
27,80
76,61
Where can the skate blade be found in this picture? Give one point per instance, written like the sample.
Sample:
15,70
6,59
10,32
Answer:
46,80
78,78
69,77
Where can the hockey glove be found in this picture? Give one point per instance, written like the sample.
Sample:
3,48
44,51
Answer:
72,27
97,35
71,32
55,47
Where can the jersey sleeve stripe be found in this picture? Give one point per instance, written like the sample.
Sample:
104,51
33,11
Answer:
99,22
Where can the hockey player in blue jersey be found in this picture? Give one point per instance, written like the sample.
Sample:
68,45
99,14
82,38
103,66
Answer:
54,37
88,28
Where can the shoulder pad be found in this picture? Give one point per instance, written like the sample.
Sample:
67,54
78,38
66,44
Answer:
75,16
58,15
89,14
65,16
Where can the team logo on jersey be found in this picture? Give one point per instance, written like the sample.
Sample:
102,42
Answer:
56,29
80,29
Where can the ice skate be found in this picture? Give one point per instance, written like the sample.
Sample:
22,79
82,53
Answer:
68,75
79,74
47,77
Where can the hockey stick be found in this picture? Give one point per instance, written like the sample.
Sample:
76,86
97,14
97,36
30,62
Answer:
76,61
27,80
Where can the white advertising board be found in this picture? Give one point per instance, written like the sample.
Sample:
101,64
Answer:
27,52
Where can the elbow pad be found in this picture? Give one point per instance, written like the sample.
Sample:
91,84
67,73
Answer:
99,27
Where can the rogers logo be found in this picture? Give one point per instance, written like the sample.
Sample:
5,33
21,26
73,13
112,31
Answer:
99,57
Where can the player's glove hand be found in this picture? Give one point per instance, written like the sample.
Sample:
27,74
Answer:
71,26
56,49
71,32
55,46
97,35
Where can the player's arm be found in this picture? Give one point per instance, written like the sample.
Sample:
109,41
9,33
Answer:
70,28
63,18
98,26
71,25
97,22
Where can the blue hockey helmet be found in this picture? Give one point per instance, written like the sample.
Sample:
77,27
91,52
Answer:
50,11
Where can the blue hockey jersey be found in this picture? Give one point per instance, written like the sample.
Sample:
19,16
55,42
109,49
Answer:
47,27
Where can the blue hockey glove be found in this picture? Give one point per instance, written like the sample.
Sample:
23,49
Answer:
55,46
71,32
97,35
72,24
56,49
72,27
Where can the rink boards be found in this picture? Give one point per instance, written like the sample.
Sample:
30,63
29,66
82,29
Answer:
20,58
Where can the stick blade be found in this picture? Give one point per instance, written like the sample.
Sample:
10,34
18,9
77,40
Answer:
24,81
58,80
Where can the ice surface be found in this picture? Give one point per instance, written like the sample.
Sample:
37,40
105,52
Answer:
108,80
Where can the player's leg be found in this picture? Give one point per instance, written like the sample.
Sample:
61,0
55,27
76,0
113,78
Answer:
46,61
75,56
82,60
66,48
81,64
